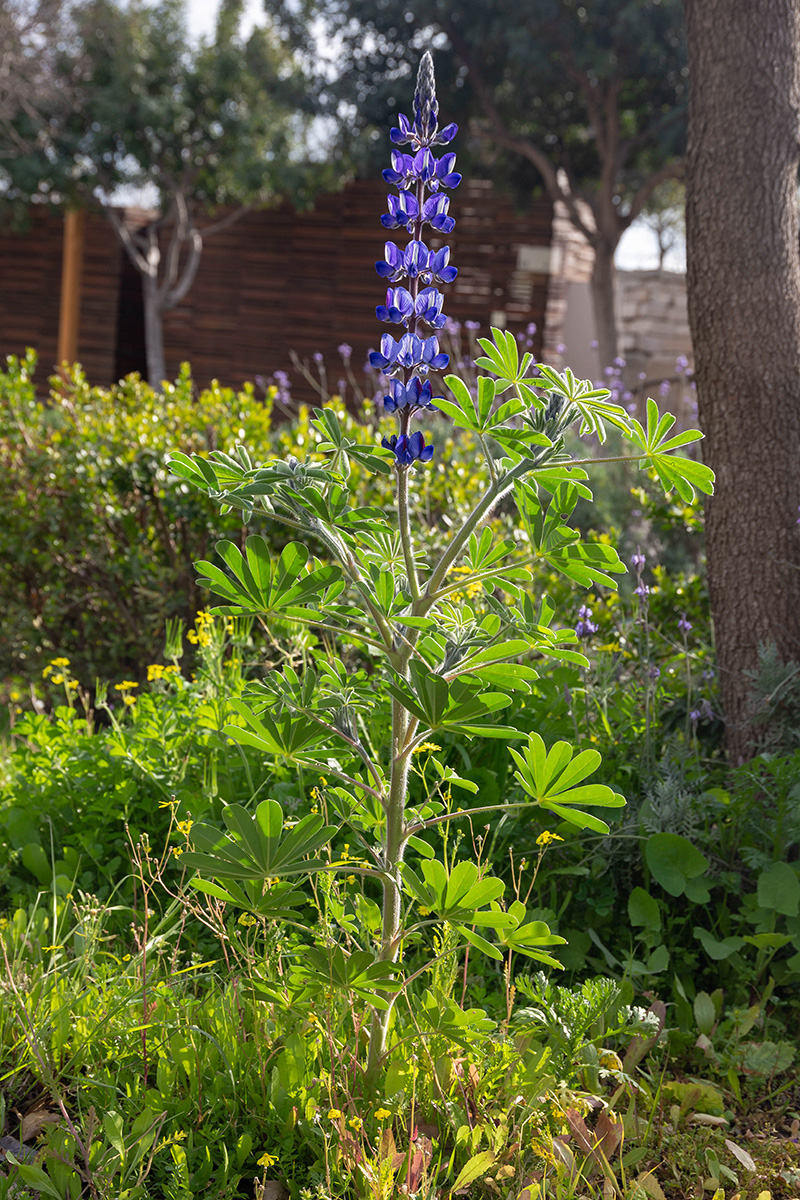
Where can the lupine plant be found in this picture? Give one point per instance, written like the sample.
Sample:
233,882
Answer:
444,646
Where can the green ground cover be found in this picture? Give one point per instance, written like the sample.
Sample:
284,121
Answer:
156,1041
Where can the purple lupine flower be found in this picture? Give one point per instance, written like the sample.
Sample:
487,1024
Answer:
317,358
638,560
561,348
413,394
594,344
530,328
703,712
412,352
429,307
420,178
654,672
663,387
398,307
684,625
642,590
585,626
619,362
474,325
345,351
408,448
681,363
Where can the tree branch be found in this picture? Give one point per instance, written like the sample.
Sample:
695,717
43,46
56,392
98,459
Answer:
674,170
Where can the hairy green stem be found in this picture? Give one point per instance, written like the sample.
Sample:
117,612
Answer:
405,531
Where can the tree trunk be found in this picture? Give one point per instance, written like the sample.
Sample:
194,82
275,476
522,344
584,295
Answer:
743,283
603,303
153,333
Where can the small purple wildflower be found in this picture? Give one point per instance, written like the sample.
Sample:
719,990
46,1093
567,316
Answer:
664,387
585,626
642,376
703,712
345,351
530,328
637,561
594,344
654,672
681,363
619,362
641,590
474,325
561,348
318,358
684,625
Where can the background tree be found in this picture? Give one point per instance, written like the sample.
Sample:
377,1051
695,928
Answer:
744,312
586,99
215,126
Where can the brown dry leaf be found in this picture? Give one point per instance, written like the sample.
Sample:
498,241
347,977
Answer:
579,1130
35,1120
609,1135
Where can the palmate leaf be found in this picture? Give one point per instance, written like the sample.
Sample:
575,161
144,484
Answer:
502,358
287,735
591,402
479,415
586,563
257,847
554,781
259,585
459,897
332,969
530,938
674,471
278,903
460,704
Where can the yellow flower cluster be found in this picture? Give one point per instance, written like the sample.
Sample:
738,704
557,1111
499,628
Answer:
125,687
471,590
544,839
156,671
267,1160
425,746
57,671
201,634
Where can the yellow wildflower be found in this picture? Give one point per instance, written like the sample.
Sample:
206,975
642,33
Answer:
382,1114
185,827
247,919
426,746
544,839
129,700
13,696
46,672
192,637
267,1160
125,686
171,670
334,1115
59,662
72,684
154,671
355,1122
57,679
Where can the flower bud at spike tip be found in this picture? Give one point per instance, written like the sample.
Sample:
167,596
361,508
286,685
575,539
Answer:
426,110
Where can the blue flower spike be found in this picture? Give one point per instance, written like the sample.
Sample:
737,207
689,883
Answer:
414,271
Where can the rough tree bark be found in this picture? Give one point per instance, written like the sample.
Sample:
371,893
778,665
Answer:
743,281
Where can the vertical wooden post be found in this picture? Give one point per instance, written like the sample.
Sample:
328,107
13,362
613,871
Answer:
71,270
